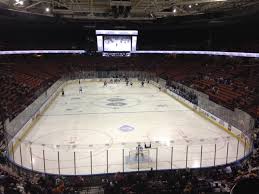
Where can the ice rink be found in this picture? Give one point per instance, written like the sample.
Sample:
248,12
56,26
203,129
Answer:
98,130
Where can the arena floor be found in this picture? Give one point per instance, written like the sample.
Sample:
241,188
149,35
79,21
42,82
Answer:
98,130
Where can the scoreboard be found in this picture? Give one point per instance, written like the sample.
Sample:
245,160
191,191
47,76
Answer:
116,41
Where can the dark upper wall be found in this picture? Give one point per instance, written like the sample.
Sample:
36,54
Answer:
187,33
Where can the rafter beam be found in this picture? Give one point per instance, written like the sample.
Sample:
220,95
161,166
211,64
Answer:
5,2
188,2
34,4
138,3
172,3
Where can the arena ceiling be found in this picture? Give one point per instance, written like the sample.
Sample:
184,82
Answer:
124,9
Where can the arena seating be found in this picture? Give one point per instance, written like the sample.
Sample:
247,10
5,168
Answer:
229,85
19,86
232,83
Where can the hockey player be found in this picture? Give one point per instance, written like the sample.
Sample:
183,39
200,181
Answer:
80,89
105,83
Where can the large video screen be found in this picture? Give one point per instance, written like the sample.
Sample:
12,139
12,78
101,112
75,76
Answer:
116,40
117,43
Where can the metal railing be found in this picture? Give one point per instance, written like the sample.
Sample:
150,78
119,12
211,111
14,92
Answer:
79,159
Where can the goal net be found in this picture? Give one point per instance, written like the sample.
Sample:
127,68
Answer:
139,159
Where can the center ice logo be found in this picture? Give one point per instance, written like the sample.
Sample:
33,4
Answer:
116,102
126,128
115,99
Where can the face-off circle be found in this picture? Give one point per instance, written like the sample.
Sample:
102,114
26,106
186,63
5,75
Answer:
70,138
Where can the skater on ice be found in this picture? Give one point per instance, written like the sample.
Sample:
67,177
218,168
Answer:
80,89
105,83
